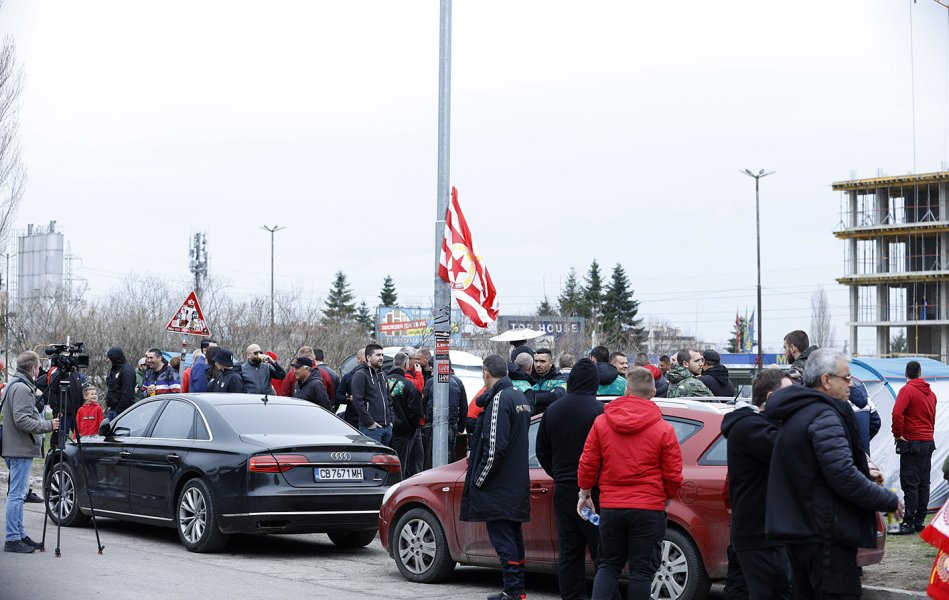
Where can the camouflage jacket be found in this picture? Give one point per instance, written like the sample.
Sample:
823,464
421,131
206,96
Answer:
683,384
796,372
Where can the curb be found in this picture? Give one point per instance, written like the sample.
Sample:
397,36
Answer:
881,593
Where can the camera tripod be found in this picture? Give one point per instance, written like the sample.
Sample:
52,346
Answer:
66,415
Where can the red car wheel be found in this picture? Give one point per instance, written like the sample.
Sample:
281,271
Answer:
420,548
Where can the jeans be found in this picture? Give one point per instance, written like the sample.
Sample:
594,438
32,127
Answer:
19,467
383,435
915,470
629,535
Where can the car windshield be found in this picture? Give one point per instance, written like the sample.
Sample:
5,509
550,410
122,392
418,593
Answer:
283,419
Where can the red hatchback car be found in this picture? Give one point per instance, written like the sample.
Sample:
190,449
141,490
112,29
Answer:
419,525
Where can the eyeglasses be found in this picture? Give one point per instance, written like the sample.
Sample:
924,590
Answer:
847,378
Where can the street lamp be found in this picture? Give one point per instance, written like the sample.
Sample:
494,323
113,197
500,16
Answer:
272,231
757,177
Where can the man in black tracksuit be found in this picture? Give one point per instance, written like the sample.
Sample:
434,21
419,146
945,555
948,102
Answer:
120,392
560,438
309,384
407,414
457,413
821,499
497,484
763,562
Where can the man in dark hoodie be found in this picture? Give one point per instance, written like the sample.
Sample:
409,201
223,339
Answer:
751,436
611,383
497,484
797,348
821,498
371,397
914,419
406,413
120,392
560,438
715,375
227,379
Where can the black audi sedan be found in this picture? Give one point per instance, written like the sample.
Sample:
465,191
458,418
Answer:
211,465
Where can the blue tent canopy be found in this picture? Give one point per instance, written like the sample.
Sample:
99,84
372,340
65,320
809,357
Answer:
894,369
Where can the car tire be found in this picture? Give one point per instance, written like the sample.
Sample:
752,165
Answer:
420,547
681,574
196,518
62,497
352,539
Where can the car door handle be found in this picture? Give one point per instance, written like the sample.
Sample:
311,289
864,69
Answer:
172,458
539,490
125,454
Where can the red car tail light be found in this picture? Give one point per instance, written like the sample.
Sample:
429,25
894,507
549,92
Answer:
275,463
387,462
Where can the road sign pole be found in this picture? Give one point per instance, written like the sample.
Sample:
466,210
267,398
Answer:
442,316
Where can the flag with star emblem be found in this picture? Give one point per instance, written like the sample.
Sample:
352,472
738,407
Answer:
462,267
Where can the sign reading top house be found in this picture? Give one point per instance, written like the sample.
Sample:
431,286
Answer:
553,326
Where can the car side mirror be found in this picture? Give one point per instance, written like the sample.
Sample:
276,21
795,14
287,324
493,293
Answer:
105,428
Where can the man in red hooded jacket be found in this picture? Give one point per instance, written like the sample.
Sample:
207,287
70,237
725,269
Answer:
914,418
633,455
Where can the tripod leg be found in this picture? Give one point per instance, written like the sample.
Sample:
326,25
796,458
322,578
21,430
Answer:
45,512
82,473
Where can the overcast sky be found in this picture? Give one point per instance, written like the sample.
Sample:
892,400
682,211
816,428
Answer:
607,130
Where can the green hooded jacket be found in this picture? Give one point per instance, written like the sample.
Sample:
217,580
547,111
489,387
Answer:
683,384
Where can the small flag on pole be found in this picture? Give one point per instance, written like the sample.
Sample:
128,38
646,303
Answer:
462,267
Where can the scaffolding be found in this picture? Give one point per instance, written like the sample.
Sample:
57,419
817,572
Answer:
896,259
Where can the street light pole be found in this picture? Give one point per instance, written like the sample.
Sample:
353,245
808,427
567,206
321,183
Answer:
272,231
757,177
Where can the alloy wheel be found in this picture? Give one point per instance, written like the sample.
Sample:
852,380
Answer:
417,546
61,499
673,575
192,515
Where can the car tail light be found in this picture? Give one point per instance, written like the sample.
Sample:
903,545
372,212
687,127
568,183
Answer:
276,463
387,462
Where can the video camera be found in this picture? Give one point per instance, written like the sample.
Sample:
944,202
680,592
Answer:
68,356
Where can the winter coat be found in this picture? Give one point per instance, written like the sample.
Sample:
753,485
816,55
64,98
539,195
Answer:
547,388
457,403
819,487
716,380
633,455
22,424
371,396
611,383
312,390
497,485
331,379
662,387
865,412
416,377
750,442
564,427
345,387
120,384
683,384
228,381
406,403
796,372
199,376
522,381
88,418
256,378
914,414
165,380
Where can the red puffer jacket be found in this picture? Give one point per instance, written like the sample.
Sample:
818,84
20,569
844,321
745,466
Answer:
633,455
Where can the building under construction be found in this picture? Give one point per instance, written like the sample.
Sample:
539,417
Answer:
897,260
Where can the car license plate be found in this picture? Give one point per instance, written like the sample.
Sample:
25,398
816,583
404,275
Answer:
338,474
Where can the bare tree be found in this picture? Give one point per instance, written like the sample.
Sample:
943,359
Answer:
822,332
12,174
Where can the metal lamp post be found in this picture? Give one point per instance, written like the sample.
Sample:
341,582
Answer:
272,231
757,177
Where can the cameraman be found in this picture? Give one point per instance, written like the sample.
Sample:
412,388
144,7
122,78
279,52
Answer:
20,445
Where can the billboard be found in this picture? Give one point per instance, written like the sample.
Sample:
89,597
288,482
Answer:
411,326
552,326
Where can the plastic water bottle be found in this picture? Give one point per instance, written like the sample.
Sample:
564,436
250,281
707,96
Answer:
588,514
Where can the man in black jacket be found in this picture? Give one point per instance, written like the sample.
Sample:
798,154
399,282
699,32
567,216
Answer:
228,378
821,499
407,414
549,384
371,397
497,485
120,392
309,385
457,411
560,438
763,562
715,375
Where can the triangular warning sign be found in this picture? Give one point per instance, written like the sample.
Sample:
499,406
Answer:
189,319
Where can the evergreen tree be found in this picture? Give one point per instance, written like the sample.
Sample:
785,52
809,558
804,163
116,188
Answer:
364,318
388,295
898,342
593,294
620,326
340,303
571,297
734,343
546,309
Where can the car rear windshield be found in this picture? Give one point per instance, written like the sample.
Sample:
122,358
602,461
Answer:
282,419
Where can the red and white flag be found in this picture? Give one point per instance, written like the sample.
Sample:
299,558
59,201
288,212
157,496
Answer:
461,266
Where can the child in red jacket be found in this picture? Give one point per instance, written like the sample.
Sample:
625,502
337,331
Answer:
90,413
